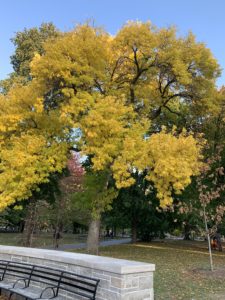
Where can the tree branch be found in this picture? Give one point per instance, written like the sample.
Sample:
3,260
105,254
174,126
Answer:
170,110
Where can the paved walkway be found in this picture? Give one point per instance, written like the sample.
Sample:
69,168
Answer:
83,245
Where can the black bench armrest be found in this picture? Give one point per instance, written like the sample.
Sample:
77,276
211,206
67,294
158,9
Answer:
25,280
49,288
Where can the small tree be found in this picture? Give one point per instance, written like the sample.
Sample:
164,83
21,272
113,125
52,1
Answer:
205,204
210,187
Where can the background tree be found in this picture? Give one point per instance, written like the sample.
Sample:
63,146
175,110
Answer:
34,209
27,43
69,183
137,208
210,193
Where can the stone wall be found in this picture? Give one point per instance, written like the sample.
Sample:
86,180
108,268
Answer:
119,279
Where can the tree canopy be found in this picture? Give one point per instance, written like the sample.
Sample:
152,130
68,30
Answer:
114,89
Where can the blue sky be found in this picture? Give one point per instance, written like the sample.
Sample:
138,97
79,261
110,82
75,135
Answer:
205,18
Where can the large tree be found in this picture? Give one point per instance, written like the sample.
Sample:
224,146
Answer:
112,89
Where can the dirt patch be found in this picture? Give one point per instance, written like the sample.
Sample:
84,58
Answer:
218,273
218,296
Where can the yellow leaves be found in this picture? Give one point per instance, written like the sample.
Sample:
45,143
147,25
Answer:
77,104
35,60
71,60
169,159
104,129
136,34
155,63
20,104
39,106
26,161
172,161
32,143
131,155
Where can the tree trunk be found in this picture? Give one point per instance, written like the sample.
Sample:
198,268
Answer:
94,229
75,228
187,232
21,226
93,236
57,236
208,238
60,210
114,231
134,231
30,223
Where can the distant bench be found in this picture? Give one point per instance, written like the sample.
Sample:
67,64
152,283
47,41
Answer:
40,282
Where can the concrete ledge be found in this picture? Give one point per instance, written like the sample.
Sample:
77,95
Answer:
119,279
119,266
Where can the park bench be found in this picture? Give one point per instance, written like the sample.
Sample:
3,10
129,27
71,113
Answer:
40,282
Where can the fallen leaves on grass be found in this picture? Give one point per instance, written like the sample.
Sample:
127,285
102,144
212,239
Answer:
182,270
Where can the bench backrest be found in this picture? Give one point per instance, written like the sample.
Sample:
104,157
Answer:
46,276
11,270
83,286
80,285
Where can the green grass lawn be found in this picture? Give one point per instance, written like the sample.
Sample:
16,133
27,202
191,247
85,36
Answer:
40,240
182,268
